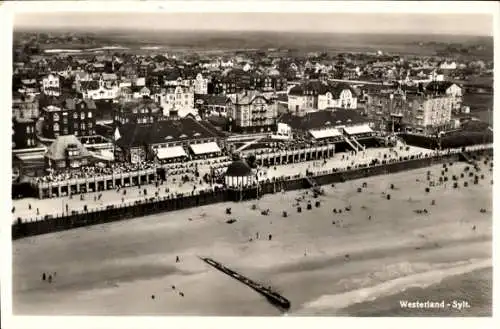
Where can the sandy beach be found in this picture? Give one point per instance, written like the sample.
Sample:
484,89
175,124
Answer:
114,269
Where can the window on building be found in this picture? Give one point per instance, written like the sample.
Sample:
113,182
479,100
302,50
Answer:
82,126
65,120
82,116
56,127
56,117
76,133
75,115
65,131
89,114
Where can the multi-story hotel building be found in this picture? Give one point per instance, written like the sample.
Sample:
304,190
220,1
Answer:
72,117
175,99
250,111
200,85
25,106
50,85
143,111
24,135
428,114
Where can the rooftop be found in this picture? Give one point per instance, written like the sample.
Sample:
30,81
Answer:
319,88
322,119
134,135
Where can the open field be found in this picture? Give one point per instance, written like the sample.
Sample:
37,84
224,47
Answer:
114,269
186,41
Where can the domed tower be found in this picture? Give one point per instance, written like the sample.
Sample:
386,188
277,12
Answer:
239,174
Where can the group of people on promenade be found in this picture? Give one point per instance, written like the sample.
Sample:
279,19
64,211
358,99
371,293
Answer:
94,170
284,146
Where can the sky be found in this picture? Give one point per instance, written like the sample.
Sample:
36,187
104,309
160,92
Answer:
459,24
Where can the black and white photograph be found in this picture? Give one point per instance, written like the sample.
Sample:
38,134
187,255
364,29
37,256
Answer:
256,162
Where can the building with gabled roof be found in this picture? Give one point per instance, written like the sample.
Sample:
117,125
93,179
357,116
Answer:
139,111
140,142
67,152
251,111
329,124
314,95
70,116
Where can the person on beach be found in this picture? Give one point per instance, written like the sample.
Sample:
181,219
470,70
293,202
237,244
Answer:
50,278
177,259
43,276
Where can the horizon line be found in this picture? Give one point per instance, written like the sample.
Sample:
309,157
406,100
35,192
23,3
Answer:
90,29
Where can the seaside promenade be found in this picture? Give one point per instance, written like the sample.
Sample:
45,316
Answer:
31,209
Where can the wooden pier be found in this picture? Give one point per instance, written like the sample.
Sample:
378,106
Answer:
273,297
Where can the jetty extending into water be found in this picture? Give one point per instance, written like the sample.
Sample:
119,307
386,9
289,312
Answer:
272,296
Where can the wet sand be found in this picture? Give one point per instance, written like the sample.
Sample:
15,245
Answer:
114,269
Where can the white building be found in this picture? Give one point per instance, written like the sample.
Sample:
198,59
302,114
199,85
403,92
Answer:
175,100
226,64
340,98
448,89
99,90
50,85
141,93
448,65
247,67
140,82
200,85
178,82
317,95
